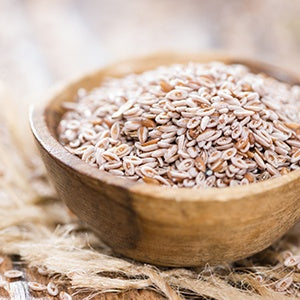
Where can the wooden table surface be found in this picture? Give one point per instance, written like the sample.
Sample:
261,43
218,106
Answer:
44,43
19,290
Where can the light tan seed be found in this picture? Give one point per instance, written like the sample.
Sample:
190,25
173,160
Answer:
122,150
1,260
229,153
112,165
238,162
116,172
243,112
242,144
205,111
52,289
259,161
149,148
271,169
64,296
179,174
194,122
115,130
296,156
292,261
148,171
42,270
126,106
177,94
214,156
223,141
186,164
162,180
271,158
132,125
13,274
128,168
36,286
284,284
208,133
109,156
294,143
158,153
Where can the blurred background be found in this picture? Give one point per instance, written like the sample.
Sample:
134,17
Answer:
46,42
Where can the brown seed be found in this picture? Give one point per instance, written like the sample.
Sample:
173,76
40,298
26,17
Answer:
249,177
150,180
284,171
241,143
96,122
251,138
293,126
165,86
193,133
219,166
151,142
250,154
199,164
148,123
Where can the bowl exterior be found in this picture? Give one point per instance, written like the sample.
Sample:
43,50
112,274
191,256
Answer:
165,226
175,232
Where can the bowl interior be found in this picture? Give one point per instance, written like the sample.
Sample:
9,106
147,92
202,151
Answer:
54,111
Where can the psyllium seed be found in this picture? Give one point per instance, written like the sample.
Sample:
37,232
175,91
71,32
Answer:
36,286
52,289
13,274
193,125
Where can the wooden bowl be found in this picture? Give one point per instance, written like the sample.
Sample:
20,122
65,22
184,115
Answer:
161,225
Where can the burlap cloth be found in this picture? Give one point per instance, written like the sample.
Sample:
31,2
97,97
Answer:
35,224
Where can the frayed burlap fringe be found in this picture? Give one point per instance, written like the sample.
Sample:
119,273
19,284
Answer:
37,226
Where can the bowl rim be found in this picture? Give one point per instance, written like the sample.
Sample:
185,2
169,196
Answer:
55,149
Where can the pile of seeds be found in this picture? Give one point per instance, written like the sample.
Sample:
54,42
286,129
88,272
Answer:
50,288
193,125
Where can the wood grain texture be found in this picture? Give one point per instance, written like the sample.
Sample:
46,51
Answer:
162,225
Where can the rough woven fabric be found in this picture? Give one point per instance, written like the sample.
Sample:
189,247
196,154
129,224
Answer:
37,226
